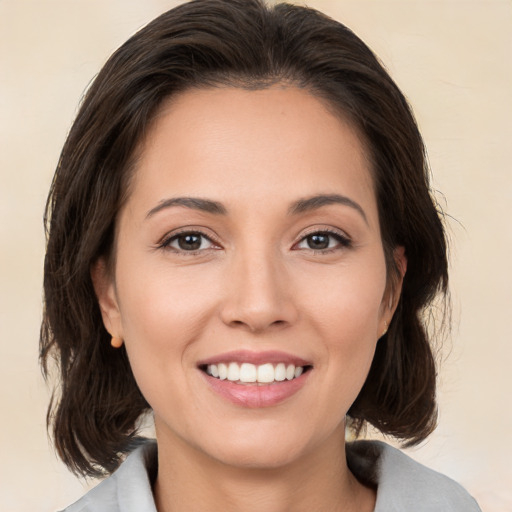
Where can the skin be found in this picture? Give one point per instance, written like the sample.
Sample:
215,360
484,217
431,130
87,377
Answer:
254,284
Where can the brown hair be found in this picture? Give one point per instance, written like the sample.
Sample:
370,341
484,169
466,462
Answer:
244,43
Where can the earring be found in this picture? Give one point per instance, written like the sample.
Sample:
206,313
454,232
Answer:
116,342
386,325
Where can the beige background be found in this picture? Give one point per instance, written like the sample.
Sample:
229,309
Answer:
453,60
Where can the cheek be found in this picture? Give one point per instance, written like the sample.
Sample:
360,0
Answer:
347,301
159,303
162,315
345,312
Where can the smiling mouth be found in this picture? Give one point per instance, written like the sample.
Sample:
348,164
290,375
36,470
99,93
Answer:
248,373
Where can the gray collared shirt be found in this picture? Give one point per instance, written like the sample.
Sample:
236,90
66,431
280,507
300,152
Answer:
403,485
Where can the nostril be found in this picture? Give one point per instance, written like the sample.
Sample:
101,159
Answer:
255,326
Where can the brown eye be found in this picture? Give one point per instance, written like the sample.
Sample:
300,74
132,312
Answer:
324,241
318,241
189,242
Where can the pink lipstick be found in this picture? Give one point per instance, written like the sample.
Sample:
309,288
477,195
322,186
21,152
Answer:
255,379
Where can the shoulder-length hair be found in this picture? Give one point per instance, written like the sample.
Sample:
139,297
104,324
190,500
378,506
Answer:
244,43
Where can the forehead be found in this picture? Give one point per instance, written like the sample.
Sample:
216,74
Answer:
277,141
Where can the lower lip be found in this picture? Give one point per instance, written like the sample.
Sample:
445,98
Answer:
256,395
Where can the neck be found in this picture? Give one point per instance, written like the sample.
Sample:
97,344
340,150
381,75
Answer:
190,480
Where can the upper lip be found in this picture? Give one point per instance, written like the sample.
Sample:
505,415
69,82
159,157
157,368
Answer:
256,358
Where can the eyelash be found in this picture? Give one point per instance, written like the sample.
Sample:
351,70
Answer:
167,241
342,242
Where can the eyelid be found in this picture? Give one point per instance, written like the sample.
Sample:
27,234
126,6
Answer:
324,229
343,238
165,241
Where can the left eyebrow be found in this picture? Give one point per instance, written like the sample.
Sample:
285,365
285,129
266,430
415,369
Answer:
194,203
313,203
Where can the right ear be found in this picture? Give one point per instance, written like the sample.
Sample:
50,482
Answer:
104,287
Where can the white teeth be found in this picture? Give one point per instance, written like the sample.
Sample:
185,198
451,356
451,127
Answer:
249,373
233,372
223,371
266,373
280,372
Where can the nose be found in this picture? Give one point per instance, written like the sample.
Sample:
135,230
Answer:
258,293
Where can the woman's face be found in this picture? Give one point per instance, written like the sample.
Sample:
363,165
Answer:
249,251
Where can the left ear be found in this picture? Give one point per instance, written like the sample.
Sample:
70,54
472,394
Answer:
394,288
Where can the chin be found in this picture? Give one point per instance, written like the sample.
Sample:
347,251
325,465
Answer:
262,446
254,457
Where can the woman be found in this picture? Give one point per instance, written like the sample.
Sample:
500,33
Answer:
241,240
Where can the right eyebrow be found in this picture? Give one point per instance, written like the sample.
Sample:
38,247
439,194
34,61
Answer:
195,203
